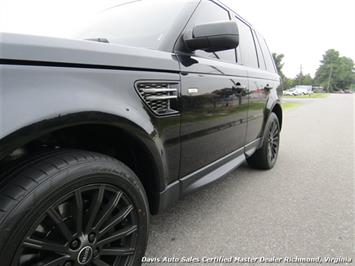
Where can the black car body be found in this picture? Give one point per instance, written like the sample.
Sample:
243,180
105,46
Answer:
179,118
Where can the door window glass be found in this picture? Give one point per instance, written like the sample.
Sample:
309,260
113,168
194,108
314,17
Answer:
267,55
247,45
208,12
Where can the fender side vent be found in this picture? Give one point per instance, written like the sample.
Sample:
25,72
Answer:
160,97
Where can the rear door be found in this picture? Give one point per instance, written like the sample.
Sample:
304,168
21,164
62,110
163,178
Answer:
262,77
214,99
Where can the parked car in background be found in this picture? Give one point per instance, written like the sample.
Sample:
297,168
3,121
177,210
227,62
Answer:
289,93
299,90
318,89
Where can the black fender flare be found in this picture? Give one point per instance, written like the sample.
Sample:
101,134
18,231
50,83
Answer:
25,135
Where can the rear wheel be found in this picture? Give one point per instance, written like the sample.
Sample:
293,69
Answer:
266,157
73,208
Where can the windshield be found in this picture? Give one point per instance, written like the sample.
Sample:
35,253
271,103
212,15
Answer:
142,23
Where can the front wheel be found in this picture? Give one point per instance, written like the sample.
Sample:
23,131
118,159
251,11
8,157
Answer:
266,157
73,208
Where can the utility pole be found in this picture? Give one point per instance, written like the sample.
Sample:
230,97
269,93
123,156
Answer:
300,77
330,77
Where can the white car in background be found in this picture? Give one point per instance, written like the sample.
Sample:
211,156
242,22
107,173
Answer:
288,93
299,90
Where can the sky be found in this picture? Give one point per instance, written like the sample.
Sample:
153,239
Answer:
302,30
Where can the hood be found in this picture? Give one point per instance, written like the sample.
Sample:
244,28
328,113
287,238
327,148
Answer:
59,50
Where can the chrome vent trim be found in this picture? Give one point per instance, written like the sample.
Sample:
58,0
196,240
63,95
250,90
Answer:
159,96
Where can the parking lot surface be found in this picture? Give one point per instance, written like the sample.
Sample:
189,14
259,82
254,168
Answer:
304,207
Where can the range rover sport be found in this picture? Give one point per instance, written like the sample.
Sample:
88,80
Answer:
149,102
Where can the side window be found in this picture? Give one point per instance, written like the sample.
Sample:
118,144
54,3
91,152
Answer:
210,12
247,45
262,63
267,56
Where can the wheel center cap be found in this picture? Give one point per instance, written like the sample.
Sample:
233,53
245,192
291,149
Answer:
85,255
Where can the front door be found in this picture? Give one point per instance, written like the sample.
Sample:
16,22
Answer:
214,99
214,112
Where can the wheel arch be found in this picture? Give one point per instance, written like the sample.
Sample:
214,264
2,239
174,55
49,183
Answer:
105,133
277,109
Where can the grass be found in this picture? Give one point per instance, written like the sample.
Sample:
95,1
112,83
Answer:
311,96
286,106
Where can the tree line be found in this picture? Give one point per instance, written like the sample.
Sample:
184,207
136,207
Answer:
334,73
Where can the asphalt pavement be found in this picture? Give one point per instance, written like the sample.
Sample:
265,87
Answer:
301,209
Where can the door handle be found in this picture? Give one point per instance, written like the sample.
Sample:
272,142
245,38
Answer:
268,87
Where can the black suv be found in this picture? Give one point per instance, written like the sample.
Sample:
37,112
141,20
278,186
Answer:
151,101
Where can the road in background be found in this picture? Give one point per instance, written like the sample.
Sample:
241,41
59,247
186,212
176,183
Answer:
303,207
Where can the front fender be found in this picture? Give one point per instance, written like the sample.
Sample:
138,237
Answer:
36,100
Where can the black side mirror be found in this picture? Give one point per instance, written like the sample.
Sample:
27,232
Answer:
213,37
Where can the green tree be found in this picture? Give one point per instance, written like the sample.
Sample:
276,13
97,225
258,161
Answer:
301,79
335,71
289,83
278,62
279,65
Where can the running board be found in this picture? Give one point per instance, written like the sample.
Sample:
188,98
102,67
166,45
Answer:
205,176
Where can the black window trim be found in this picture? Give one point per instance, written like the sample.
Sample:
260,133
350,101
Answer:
261,50
252,33
231,11
256,49
270,54
228,10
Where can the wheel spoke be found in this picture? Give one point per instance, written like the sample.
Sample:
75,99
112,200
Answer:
95,206
274,151
117,252
120,234
58,220
117,261
108,210
272,128
276,131
117,219
99,262
79,211
57,261
270,151
276,135
45,245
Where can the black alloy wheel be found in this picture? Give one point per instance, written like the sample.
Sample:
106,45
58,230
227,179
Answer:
273,142
95,215
266,156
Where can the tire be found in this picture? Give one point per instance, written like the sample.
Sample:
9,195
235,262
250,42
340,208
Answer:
72,208
266,157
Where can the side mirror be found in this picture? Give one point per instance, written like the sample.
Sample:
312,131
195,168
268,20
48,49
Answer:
213,37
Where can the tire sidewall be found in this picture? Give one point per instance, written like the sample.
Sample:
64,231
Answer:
272,118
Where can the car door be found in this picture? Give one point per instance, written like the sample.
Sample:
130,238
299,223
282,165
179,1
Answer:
214,99
261,78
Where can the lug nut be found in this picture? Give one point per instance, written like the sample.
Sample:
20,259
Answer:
75,244
92,237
